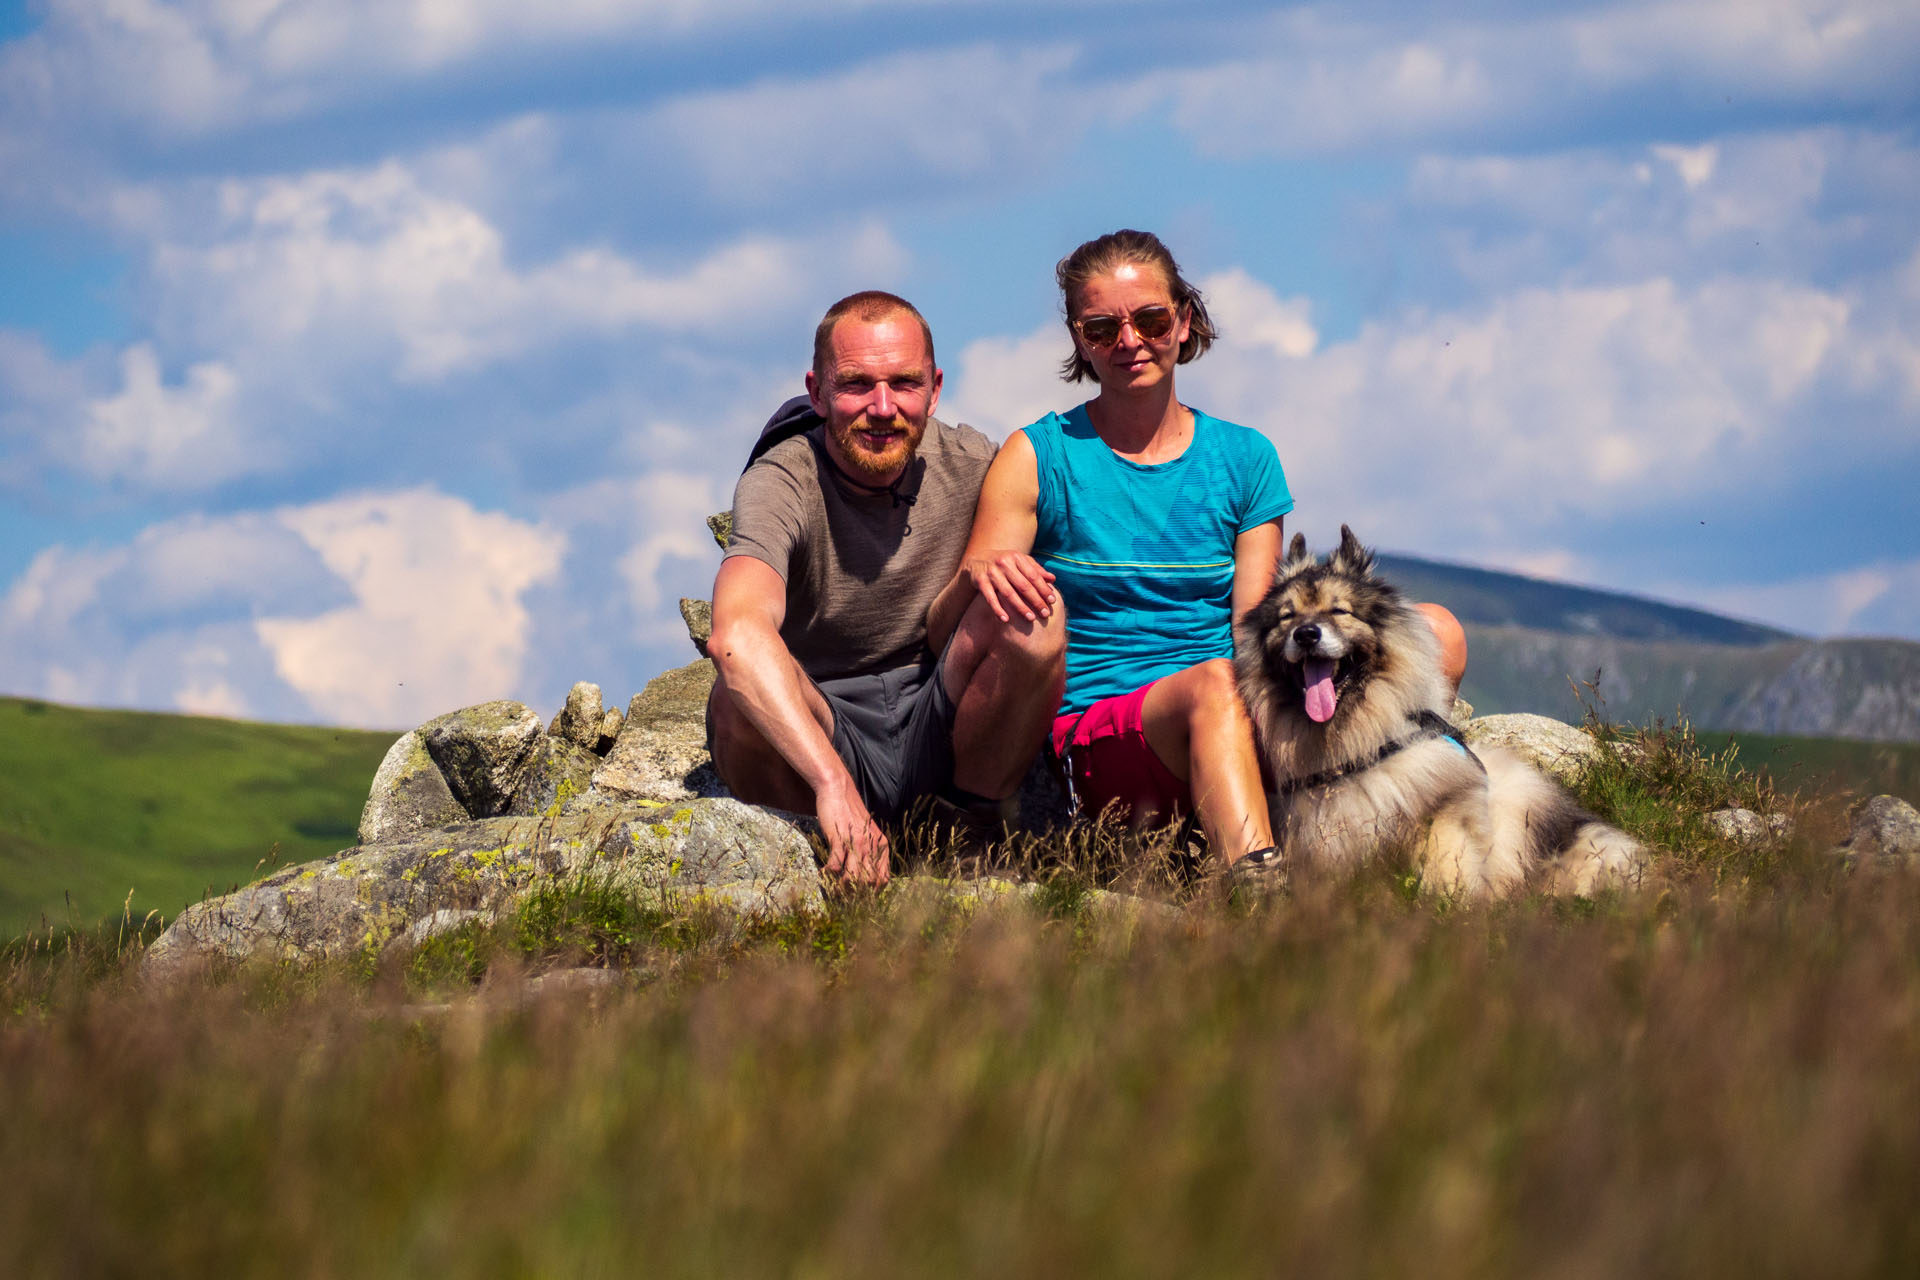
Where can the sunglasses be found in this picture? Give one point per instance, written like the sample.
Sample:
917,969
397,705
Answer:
1150,323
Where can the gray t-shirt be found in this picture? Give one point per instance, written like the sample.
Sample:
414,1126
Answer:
860,568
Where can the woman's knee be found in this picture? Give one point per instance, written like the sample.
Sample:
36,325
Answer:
1452,637
1215,692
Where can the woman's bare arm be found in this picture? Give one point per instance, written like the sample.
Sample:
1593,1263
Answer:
998,563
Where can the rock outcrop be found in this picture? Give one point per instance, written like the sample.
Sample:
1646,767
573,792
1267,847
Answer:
715,851
469,809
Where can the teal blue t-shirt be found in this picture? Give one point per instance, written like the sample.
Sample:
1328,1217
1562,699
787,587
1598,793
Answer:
1142,555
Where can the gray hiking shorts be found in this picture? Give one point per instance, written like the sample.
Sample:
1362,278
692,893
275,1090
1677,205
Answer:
894,731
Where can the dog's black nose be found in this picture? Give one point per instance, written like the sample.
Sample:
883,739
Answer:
1307,635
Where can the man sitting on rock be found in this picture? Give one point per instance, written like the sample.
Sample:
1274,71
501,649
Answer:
829,699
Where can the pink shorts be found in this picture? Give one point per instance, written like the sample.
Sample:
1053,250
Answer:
1108,759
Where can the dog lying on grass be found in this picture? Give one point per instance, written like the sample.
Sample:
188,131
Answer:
1343,681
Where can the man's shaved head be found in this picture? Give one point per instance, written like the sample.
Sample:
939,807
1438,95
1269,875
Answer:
870,306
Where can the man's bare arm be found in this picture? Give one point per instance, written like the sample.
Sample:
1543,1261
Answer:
768,688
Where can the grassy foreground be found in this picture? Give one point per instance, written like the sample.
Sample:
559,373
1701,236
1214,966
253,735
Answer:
1713,1075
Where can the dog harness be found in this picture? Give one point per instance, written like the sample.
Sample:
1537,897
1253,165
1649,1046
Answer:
1427,725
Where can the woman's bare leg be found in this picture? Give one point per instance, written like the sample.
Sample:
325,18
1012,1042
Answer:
1197,725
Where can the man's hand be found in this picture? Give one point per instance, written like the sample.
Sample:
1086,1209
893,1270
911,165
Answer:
856,847
1011,580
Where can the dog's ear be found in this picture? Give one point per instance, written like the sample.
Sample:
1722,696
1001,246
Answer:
1296,551
1351,557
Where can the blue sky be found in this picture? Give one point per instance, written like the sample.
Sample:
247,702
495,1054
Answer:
360,359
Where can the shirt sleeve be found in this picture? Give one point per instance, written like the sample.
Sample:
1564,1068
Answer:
1266,496
767,516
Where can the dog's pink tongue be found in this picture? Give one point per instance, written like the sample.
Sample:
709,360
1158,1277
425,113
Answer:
1320,695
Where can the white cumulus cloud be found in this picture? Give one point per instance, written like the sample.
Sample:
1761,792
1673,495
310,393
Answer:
437,619
371,267
179,436
1316,79
377,609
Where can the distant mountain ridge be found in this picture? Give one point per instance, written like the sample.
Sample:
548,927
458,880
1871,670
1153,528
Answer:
1534,645
1489,598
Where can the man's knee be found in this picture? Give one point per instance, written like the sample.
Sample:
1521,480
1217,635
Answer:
1038,644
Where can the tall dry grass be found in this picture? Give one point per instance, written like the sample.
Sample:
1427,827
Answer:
1714,1076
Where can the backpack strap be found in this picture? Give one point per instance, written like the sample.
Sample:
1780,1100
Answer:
794,417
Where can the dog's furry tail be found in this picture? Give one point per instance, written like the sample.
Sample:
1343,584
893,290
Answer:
1537,825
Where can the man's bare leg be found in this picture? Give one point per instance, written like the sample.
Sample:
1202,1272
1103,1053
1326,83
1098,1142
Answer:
1005,679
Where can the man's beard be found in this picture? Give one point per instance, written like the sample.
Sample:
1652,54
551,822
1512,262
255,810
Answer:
863,460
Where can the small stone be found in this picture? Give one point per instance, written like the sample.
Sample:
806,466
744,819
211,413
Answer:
1886,829
609,730
1748,828
1461,713
721,523
409,793
698,615
481,751
579,721
576,981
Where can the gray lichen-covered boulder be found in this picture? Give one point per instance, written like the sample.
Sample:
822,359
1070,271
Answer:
720,523
409,794
1549,744
718,852
661,753
481,751
578,721
556,771
1885,832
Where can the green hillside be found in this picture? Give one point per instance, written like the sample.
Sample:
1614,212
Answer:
1810,765
93,803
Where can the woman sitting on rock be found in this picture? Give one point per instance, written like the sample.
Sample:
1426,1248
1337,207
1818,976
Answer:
1157,525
